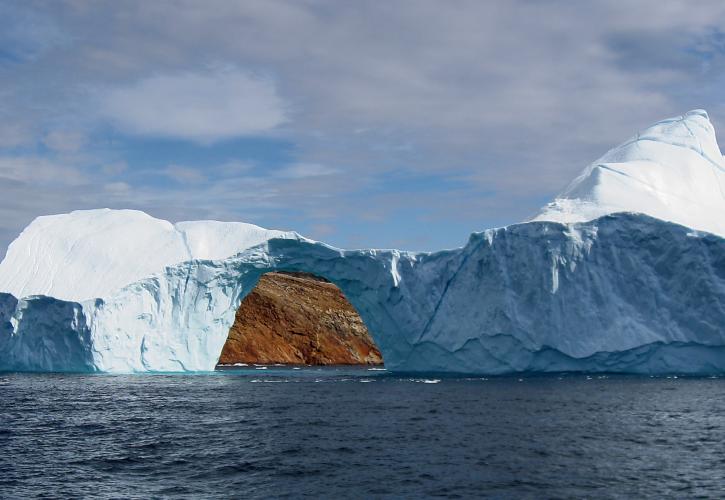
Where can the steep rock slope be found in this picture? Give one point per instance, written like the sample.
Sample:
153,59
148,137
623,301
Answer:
298,319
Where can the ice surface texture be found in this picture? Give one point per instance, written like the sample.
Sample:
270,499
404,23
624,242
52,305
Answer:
91,253
673,171
624,292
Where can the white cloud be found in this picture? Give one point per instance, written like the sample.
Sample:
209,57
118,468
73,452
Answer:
65,141
14,135
234,167
202,107
114,168
184,174
509,99
117,187
38,170
304,170
322,230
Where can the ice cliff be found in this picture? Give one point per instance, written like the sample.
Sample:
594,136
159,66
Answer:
624,272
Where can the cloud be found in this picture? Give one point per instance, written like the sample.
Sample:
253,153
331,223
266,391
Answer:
204,107
509,99
184,174
234,167
26,35
117,187
32,186
303,170
40,171
13,135
114,168
65,141
321,230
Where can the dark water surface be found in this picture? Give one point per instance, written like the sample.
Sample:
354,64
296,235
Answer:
357,433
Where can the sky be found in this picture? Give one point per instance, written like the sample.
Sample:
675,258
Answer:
405,124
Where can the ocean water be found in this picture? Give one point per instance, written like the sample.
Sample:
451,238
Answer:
260,432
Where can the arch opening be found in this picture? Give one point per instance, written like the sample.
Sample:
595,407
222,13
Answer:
298,318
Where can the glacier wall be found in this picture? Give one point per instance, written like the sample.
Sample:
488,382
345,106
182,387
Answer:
622,293
44,334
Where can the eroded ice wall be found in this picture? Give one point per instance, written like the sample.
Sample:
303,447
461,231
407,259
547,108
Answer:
621,293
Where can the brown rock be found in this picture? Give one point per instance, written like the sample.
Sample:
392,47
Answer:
298,318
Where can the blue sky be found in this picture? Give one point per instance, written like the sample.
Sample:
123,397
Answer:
402,124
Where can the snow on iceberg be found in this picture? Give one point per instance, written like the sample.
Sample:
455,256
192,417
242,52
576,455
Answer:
623,292
92,253
673,171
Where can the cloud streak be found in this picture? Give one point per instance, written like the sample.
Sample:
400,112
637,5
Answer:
412,120
203,107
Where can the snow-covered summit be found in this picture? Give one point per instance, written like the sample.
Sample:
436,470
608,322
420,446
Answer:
673,171
90,253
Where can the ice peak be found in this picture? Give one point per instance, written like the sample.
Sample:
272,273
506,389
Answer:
89,253
672,170
698,112
692,130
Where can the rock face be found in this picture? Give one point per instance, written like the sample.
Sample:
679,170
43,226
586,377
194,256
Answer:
298,318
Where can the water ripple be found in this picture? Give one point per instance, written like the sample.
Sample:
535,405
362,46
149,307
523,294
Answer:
324,433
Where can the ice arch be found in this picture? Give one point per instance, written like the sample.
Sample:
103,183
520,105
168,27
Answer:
625,292
298,318
187,311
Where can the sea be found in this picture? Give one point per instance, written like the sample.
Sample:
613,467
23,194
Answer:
340,432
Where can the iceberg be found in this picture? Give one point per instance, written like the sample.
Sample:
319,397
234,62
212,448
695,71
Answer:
623,272
92,253
673,171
